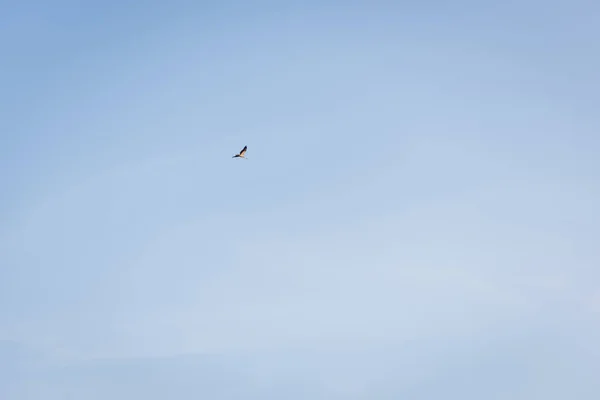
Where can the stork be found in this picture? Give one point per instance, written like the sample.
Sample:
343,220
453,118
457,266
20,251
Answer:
241,153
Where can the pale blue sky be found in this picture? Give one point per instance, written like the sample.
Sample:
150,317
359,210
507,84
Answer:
421,176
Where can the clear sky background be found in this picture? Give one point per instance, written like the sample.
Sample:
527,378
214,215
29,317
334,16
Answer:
419,214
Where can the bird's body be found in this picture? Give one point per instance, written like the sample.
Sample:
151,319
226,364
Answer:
241,154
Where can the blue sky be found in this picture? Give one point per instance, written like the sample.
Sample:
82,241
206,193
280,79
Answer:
418,172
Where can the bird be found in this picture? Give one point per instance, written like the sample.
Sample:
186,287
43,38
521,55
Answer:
241,153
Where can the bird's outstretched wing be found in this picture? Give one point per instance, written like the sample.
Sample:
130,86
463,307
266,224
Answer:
243,150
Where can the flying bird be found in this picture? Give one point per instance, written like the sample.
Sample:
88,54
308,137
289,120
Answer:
242,153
